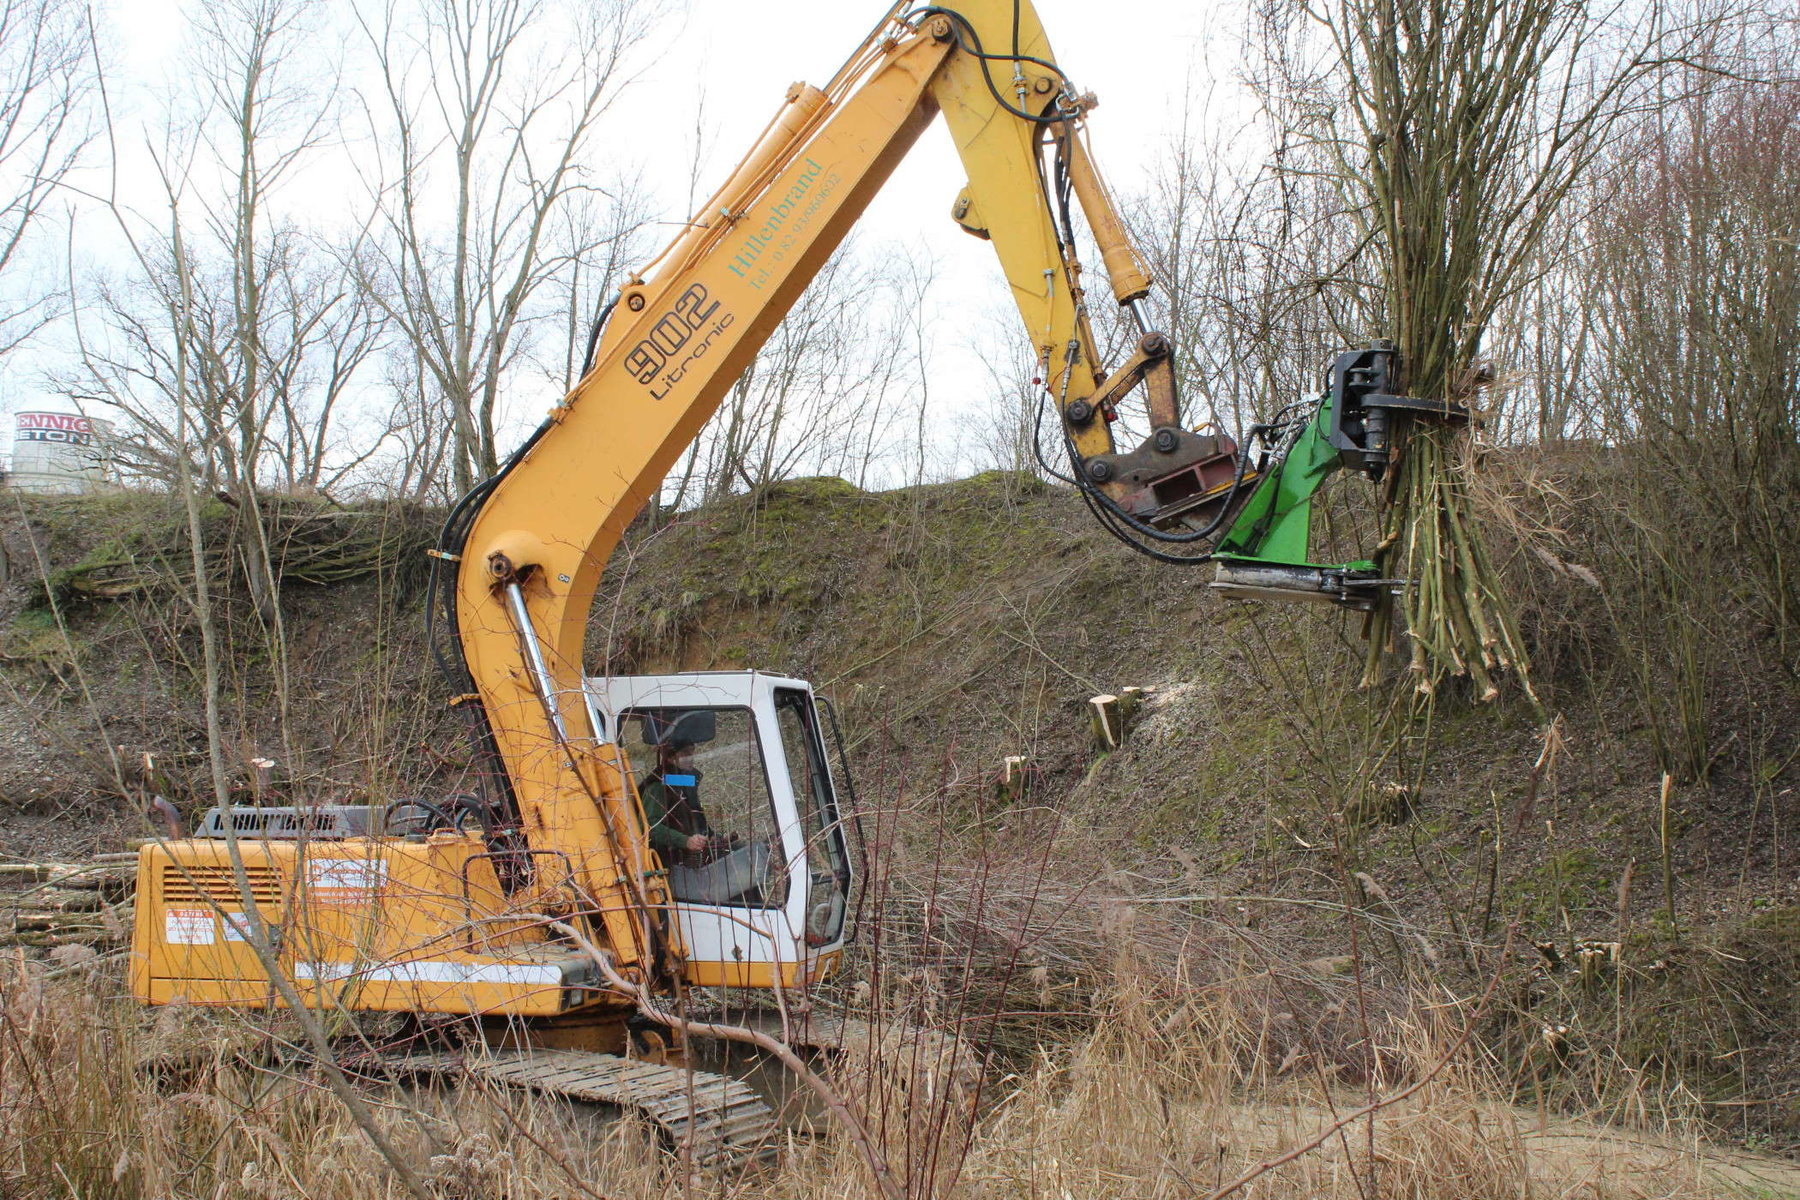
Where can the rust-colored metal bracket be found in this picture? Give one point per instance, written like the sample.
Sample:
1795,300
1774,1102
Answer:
1151,366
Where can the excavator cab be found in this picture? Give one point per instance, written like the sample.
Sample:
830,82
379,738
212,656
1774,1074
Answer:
738,760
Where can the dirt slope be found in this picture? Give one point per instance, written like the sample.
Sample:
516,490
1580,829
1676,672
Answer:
961,623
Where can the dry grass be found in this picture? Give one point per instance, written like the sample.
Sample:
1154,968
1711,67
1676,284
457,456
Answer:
103,1099
1165,1098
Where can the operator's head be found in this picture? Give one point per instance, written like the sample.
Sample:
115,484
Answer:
677,734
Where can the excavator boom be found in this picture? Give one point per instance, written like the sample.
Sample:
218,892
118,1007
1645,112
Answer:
545,910
453,907
529,559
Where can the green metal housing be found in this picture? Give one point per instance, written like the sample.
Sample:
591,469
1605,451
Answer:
1275,526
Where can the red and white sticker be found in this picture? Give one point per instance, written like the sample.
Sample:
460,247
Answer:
345,880
189,927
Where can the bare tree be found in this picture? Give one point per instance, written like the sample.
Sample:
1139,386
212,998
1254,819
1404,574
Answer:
1010,423
1694,277
279,325
329,329
1547,334
596,237
418,430
917,275
46,81
231,345
486,110
819,399
1259,274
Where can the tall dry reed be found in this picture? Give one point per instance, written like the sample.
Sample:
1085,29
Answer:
1168,1095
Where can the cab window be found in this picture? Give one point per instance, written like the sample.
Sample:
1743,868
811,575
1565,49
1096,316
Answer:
700,770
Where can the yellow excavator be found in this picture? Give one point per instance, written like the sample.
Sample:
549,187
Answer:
548,910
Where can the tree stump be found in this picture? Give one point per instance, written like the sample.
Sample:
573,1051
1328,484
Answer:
1105,722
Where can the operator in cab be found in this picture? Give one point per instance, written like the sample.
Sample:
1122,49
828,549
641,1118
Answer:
679,831
705,866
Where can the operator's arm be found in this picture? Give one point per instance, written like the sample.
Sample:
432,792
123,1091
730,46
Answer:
665,839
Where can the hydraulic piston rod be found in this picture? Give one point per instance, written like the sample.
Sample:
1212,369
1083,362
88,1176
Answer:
534,658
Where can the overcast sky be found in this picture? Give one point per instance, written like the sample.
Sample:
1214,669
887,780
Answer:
1142,58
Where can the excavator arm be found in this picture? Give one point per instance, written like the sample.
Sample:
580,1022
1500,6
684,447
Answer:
527,547
411,909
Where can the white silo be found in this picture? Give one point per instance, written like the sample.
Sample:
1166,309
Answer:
60,452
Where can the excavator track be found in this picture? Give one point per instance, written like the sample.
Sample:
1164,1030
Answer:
927,1065
720,1122
856,1039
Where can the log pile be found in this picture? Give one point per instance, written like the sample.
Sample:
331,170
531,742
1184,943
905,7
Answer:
308,541
48,904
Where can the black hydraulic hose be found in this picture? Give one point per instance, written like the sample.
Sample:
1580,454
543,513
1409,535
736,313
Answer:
444,819
449,551
1037,442
442,593
1105,522
972,47
593,342
1047,192
1280,435
455,532
440,602
1121,524
1065,184
1151,531
1051,186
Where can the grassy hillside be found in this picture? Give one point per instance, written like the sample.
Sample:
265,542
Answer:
1265,819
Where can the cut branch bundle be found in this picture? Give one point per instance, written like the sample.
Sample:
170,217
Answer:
1457,619
1470,126
55,904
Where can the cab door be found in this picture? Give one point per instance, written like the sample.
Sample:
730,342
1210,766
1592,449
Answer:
764,901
